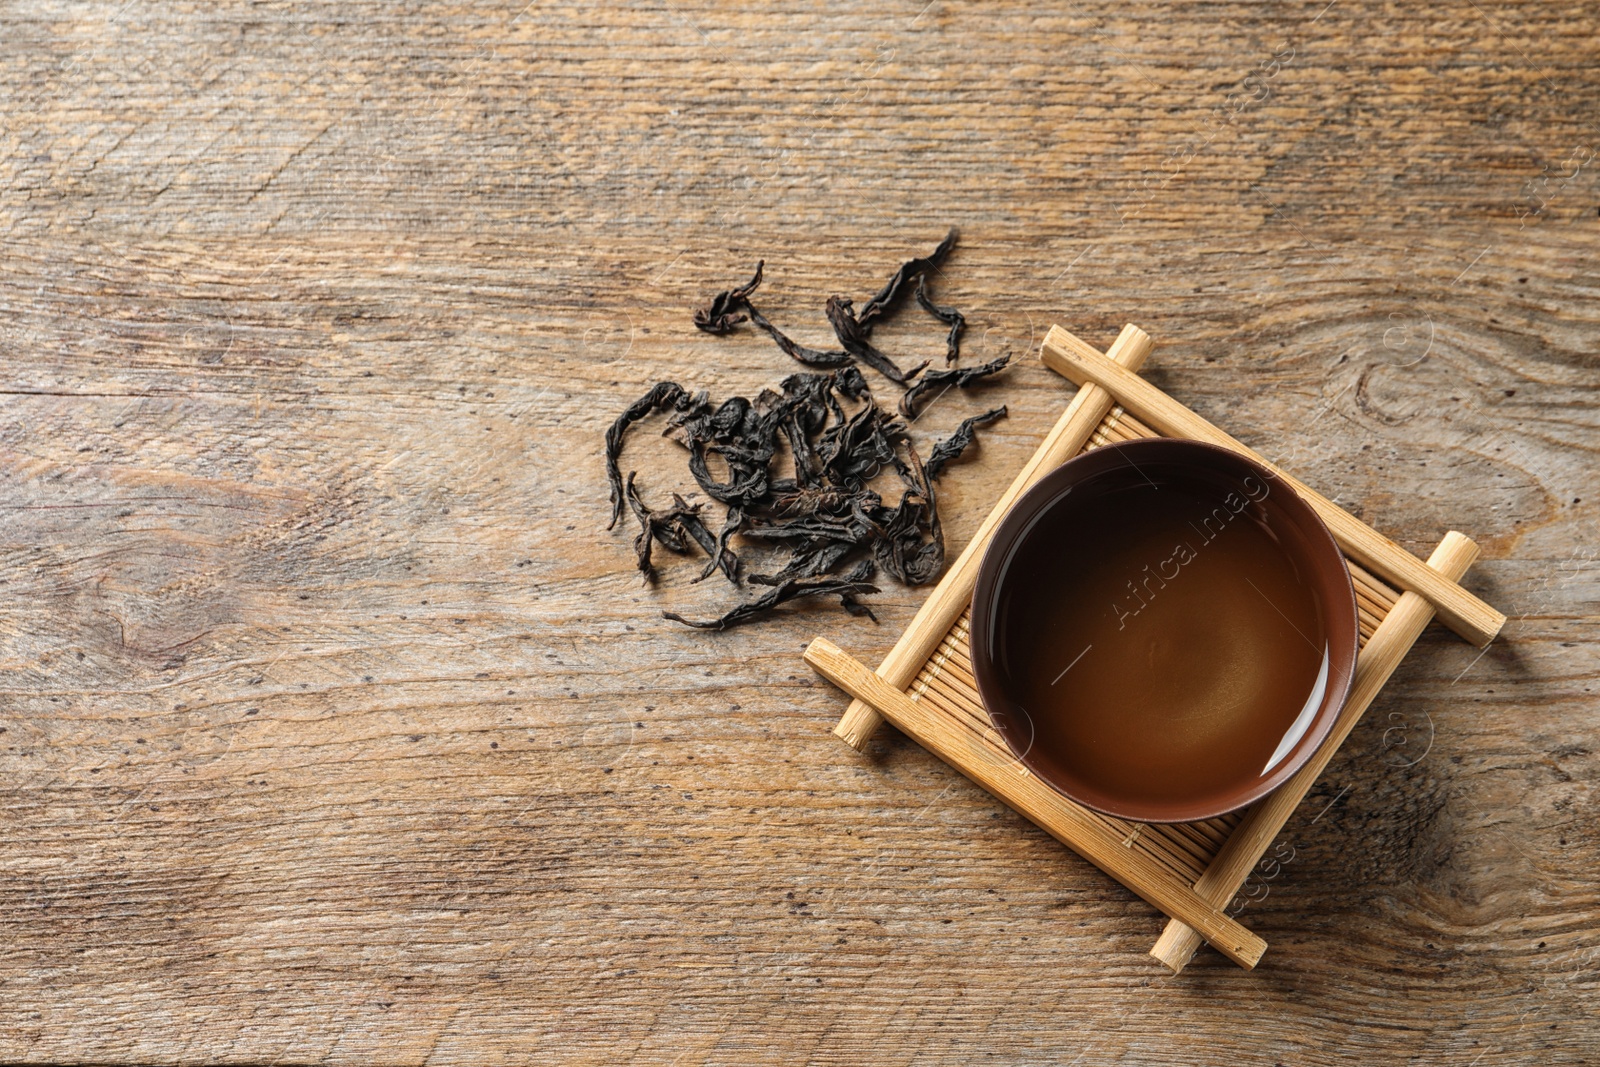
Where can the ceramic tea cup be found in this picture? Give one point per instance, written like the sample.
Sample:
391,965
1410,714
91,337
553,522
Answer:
1163,630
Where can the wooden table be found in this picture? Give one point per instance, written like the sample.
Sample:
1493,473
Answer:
337,729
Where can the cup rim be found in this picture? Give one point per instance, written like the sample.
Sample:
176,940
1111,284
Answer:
1320,551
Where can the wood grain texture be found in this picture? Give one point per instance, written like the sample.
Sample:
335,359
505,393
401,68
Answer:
338,730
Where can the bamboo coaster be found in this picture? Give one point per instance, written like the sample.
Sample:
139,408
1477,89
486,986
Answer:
1189,871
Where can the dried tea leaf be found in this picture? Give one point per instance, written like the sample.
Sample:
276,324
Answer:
729,308
854,451
661,395
810,558
747,469
856,607
853,337
675,530
844,588
684,521
952,447
808,500
652,528
949,316
902,550
811,357
880,304
958,378
721,555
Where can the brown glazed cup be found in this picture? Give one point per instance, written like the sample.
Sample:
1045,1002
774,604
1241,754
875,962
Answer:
1083,484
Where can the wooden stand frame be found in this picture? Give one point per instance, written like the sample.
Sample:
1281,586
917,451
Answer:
1190,871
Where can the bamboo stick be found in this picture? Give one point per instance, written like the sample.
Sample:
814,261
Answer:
1457,608
1182,843
954,592
1368,585
1074,826
950,688
1251,838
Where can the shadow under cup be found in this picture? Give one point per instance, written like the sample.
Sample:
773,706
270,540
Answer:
1163,630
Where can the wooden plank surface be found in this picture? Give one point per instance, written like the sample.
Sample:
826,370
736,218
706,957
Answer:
338,730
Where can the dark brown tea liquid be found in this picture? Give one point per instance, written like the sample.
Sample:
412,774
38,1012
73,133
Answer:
1156,644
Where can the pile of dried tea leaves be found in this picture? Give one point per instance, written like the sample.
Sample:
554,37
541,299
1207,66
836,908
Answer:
835,529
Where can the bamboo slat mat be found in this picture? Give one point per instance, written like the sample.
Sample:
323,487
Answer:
1191,871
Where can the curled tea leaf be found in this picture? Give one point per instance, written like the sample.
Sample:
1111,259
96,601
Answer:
811,357
952,447
729,308
853,337
880,304
958,378
662,395
949,316
795,589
